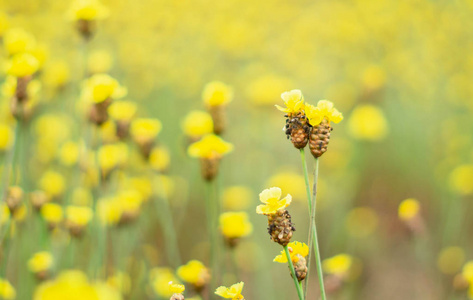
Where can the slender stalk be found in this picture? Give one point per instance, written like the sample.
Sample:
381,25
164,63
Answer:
212,230
300,293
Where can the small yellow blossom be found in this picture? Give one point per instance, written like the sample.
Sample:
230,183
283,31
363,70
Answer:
109,210
69,153
56,74
41,261
99,61
52,183
176,288
467,271
235,224
237,197
197,123
87,10
408,209
461,179
22,64
294,101
52,213
7,291
111,156
217,93
450,260
272,203
324,109
6,137
145,130
367,122
130,201
160,278
101,87
79,215
122,110
338,265
194,272
295,248
210,147
141,184
17,40
159,158
233,292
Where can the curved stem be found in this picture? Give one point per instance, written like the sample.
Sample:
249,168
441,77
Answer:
293,273
211,206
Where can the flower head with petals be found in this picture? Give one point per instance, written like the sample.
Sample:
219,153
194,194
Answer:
294,101
295,248
210,147
233,292
272,202
176,288
324,109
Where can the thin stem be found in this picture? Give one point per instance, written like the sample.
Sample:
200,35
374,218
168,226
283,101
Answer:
212,230
9,162
293,273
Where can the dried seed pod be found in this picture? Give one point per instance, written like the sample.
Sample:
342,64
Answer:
38,198
209,168
98,113
14,197
300,267
86,28
280,227
219,118
297,129
177,297
319,138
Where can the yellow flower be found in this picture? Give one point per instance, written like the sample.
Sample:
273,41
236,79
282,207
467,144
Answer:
176,288
101,87
4,213
197,123
52,213
338,265
145,130
100,61
79,215
295,248
6,137
69,153
194,272
160,278
87,10
367,122
233,292
7,291
450,260
290,182
22,64
210,147
324,109
142,185
112,155
109,210
272,203
56,74
17,40
467,271
122,110
130,201
159,158
408,209
41,261
82,197
235,224
294,101
217,93
52,183
237,197
461,179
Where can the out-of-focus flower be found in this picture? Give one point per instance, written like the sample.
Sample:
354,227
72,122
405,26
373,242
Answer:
130,203
109,210
467,271
160,278
338,265
295,249
77,218
17,40
272,202
4,213
361,222
160,158
112,156
323,110
41,263
88,10
7,291
374,77
22,64
81,196
461,180
176,288
52,183
450,260
237,197
217,93
195,273
69,153
56,74
290,183
122,110
52,213
210,147
233,292
197,123
235,225
294,101
408,209
144,131
6,137
99,61
367,122
141,184
265,89
101,87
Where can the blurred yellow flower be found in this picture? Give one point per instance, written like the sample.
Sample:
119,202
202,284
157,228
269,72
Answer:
467,271
295,248
109,210
129,200
197,123
338,265
374,77
290,182
235,224
82,196
367,122
272,203
6,137
88,10
69,153
194,272
22,64
122,110
236,197
20,213
111,156
461,179
53,183
450,260
40,262
361,222
100,87
217,93
145,130
210,146
265,89
7,291
160,278
160,158
56,74
141,184
99,61
294,101
79,215
176,288
233,292
52,213
4,213
408,209
17,40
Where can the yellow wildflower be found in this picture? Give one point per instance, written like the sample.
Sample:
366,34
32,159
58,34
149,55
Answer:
22,64
69,153
235,224
160,278
17,40
367,122
461,179
194,272
217,93
109,210
130,201
467,271
100,61
237,197
56,74
176,288
4,213
6,137
324,109
111,156
197,123
79,215
272,203
122,110
87,10
52,213
159,158
338,265
295,248
101,87
52,183
408,209
142,185
145,130
450,260
294,101
233,292
41,261
210,147
7,291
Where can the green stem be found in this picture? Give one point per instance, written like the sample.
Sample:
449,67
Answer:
309,202
300,293
212,231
